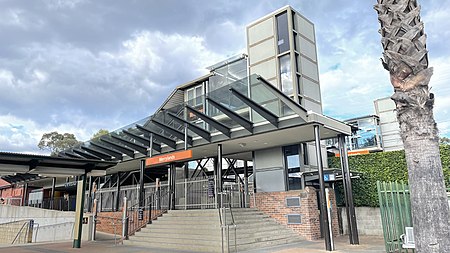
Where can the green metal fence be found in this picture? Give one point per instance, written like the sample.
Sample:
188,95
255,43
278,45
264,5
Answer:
395,208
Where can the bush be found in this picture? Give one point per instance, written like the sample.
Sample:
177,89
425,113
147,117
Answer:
383,166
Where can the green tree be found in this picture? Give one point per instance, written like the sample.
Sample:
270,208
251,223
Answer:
406,59
56,142
99,134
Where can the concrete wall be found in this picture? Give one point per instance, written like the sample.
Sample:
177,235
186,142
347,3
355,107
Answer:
368,221
50,225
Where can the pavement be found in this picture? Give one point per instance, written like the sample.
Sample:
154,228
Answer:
107,243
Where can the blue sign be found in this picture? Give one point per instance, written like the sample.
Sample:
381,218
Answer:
329,177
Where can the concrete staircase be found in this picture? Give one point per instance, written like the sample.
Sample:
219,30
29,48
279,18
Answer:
200,231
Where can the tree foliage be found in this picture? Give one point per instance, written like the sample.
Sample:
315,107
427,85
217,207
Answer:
383,166
56,142
99,134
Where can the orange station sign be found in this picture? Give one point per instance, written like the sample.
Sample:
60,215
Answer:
356,152
167,158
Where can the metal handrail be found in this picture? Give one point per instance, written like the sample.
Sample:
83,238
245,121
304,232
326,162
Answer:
133,222
20,231
115,228
224,225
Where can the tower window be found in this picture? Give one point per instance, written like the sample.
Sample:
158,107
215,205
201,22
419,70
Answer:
283,33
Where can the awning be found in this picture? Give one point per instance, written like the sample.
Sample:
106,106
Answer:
16,167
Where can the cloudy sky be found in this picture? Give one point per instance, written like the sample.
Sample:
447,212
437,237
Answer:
80,65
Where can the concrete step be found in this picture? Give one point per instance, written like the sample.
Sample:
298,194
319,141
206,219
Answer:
264,244
188,227
187,221
212,247
174,239
150,235
206,212
175,230
193,218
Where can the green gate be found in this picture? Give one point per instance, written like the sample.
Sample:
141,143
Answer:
395,209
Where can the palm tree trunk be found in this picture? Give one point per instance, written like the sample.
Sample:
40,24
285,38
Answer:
406,59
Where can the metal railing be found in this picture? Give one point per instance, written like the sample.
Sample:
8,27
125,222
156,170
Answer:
57,203
23,235
114,222
154,205
195,194
225,226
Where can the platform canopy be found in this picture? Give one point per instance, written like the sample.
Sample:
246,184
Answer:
243,116
16,168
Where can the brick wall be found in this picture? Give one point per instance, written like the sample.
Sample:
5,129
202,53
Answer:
110,222
274,205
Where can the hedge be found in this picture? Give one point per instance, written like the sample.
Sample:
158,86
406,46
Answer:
383,166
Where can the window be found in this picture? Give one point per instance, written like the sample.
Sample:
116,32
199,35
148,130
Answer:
283,33
292,162
286,74
194,96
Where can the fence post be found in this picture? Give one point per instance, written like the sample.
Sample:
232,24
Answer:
94,218
124,220
150,210
30,232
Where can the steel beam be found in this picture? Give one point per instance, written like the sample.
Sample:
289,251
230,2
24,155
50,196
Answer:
247,124
97,152
113,152
212,122
121,148
180,135
137,147
196,129
145,141
268,115
169,142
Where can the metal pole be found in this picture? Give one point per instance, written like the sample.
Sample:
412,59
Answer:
125,219
215,182
323,204
52,194
117,206
79,212
172,178
245,184
150,152
185,136
94,217
349,205
89,200
25,194
219,172
141,183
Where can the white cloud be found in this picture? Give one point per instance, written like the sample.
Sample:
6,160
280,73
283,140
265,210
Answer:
63,4
63,88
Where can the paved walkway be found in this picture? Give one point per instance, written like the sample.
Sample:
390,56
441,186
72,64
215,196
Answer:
106,244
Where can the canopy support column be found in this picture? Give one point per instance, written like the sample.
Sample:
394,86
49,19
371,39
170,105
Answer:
323,204
346,179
